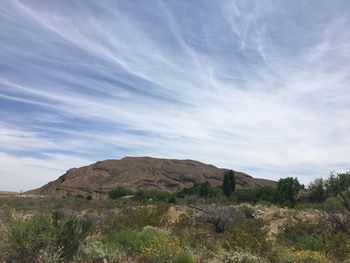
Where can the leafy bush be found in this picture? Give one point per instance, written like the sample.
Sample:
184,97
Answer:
25,237
125,239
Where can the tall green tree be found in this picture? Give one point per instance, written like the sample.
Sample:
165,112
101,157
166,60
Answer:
229,183
288,189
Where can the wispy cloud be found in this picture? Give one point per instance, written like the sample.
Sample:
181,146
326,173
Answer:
258,87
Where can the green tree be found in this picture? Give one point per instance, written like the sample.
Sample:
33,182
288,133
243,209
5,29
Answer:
204,190
316,191
338,185
229,183
288,189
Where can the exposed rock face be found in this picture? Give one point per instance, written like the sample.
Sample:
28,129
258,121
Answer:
141,173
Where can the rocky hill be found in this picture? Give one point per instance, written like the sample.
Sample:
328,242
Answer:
141,173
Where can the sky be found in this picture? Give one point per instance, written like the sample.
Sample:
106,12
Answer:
261,87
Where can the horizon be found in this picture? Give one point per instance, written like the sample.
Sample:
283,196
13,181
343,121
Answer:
257,87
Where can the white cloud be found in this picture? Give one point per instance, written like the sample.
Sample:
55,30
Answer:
225,89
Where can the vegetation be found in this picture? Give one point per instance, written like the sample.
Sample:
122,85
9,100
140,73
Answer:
229,183
199,224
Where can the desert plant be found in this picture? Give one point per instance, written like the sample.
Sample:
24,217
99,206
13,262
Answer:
217,215
161,248
184,257
94,251
247,235
118,192
26,236
337,245
70,233
303,235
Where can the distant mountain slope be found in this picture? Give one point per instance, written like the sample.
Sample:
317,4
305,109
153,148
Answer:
141,173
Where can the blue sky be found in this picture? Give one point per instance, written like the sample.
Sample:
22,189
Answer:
257,86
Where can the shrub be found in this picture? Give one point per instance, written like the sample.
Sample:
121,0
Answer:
148,216
254,195
247,235
95,251
218,216
50,255
204,190
337,245
161,248
184,257
125,239
70,233
118,192
303,235
26,236
88,197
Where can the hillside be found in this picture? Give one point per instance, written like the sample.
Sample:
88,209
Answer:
141,173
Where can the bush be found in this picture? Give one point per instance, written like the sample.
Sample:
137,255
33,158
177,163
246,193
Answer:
118,192
184,257
218,216
248,236
88,197
303,235
125,239
151,244
50,255
337,245
25,237
161,248
95,251
70,233
254,195
203,190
